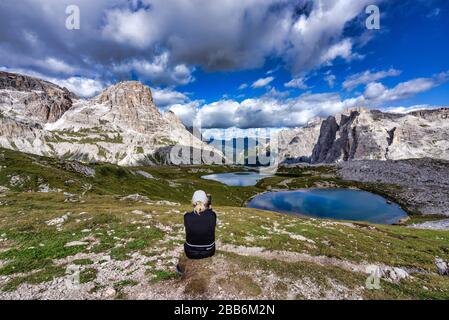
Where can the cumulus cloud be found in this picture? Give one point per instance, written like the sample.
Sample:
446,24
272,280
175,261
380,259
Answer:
341,49
129,27
276,109
187,111
299,83
165,42
403,110
233,132
158,71
82,87
264,112
172,38
317,38
56,65
263,82
168,97
377,94
367,77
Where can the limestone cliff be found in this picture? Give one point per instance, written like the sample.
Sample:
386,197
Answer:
32,98
121,125
362,134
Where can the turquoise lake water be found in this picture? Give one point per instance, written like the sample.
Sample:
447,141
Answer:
341,204
237,179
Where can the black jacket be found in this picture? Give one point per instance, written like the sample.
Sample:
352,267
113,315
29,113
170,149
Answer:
200,234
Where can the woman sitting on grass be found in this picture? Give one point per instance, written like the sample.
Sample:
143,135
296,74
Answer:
200,231
200,228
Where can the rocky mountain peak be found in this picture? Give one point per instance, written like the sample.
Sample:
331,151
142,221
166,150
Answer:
131,106
360,133
36,99
171,117
121,125
131,94
20,82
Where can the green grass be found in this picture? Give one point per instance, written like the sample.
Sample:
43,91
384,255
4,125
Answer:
88,275
119,285
161,275
47,274
83,262
35,248
84,136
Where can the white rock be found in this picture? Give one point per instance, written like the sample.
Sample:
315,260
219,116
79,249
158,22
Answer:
76,243
442,267
144,174
109,293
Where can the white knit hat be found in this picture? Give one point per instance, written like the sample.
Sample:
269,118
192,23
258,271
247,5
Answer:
200,195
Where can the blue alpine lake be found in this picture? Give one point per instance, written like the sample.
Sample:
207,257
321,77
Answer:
340,204
237,179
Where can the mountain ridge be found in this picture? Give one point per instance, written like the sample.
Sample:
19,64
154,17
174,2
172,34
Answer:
121,125
363,134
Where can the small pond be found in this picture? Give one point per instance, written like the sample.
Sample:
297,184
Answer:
237,179
340,204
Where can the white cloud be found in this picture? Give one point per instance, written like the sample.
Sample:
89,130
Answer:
367,77
117,33
167,97
160,70
243,86
275,109
299,83
192,32
263,82
305,35
403,110
129,27
56,65
186,111
374,90
377,94
330,79
341,49
233,132
263,112
82,87
317,38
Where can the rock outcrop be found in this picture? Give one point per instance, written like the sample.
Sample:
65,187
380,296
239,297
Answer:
362,134
121,125
442,267
32,98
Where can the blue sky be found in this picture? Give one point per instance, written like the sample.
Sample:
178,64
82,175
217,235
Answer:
244,64
414,38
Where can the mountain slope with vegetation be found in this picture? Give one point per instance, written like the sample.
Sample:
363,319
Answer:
121,228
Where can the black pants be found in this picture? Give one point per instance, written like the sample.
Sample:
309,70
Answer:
199,252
